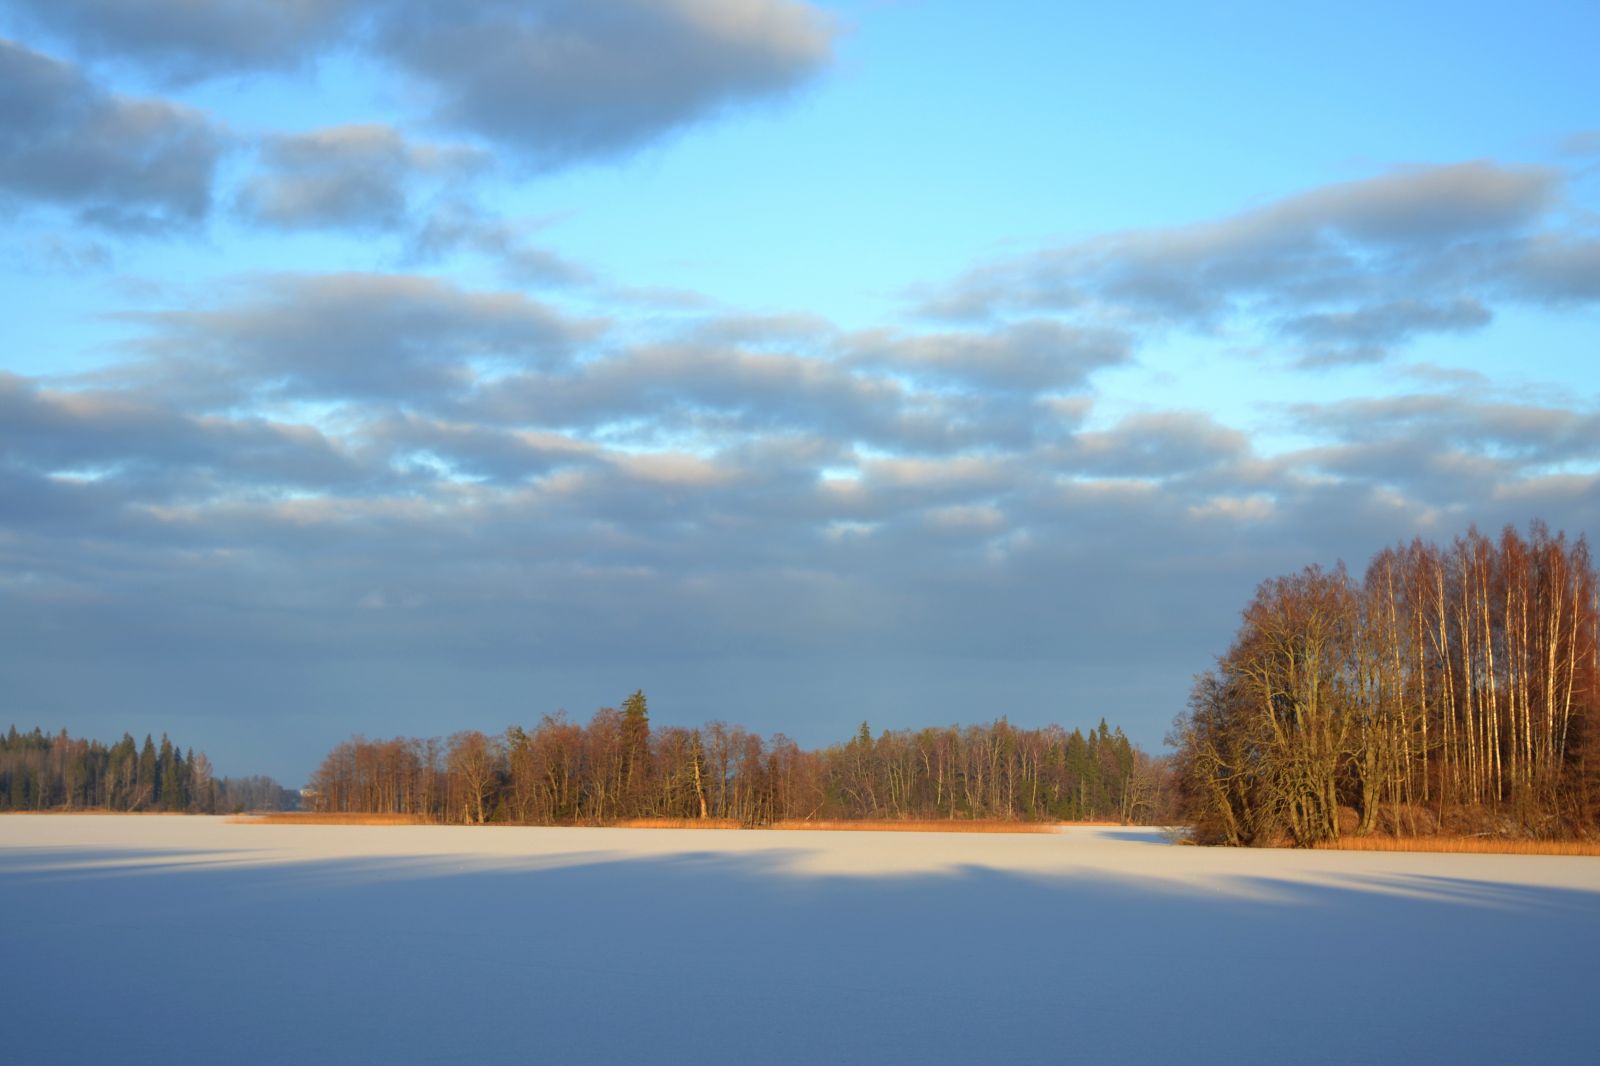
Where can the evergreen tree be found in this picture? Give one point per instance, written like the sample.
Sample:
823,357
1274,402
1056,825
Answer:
635,746
166,776
40,772
144,790
122,774
186,781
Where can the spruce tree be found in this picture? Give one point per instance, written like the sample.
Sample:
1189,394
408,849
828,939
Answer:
635,745
170,791
144,789
123,774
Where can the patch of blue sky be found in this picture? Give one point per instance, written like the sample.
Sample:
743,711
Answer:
895,170
335,88
440,467
1533,355
645,435
54,323
86,474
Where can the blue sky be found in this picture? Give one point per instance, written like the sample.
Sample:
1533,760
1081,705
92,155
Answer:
370,369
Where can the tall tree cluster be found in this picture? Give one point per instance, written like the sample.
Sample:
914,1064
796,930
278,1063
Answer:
39,771
618,767
1450,688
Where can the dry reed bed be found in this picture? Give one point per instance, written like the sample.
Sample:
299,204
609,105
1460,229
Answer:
934,826
79,812
865,825
317,818
1466,845
868,825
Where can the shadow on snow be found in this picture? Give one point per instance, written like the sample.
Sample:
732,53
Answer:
707,957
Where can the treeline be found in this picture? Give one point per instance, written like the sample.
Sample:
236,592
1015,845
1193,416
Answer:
617,767
1450,689
41,772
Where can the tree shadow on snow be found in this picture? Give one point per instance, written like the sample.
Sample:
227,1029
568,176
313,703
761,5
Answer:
1135,836
718,957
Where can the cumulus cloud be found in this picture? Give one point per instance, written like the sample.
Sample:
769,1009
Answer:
1030,356
397,339
471,450
387,468
468,524
1369,333
1158,444
544,84
186,41
552,81
508,362
1343,273
706,392
93,436
564,80
1516,435
355,177
122,163
1560,269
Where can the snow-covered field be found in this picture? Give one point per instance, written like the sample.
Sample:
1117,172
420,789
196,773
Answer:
178,940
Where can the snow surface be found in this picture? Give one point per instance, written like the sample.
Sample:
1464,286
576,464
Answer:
177,940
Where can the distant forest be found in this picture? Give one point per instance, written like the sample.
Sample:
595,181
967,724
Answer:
619,767
42,772
1448,690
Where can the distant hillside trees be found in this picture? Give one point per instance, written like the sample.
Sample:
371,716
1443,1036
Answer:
1450,688
618,767
39,771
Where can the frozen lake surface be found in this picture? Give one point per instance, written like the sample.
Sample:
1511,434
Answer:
172,940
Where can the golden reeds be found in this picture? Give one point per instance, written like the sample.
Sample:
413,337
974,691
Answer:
870,825
680,823
881,825
81,811
319,818
1465,845
938,825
